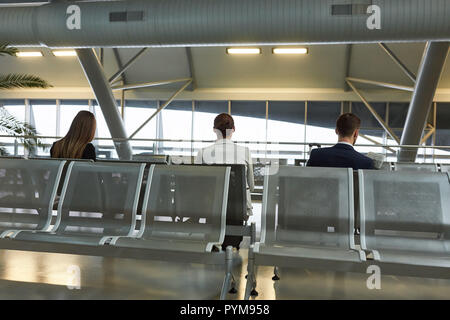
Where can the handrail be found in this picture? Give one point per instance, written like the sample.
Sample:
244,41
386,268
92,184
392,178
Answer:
240,142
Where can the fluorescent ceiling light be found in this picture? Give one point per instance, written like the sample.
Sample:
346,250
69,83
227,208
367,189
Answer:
289,50
65,53
243,50
27,54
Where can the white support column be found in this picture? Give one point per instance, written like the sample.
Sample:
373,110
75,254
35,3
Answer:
58,118
430,70
192,128
28,119
106,100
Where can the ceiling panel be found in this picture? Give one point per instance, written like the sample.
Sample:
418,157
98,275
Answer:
323,68
59,71
156,64
369,61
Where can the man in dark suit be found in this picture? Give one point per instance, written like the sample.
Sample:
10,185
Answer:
342,155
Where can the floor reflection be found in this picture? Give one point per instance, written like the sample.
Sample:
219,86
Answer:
32,275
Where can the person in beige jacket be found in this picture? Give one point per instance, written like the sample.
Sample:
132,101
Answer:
225,151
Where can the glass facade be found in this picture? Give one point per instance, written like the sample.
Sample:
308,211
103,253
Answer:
274,129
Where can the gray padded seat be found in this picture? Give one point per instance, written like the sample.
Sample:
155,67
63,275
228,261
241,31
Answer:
445,167
184,218
417,167
185,210
405,218
163,159
308,213
27,192
98,202
386,166
307,222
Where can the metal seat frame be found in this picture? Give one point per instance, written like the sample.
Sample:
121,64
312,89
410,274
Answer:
409,247
298,253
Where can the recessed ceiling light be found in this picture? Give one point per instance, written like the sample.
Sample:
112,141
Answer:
28,54
243,50
289,50
65,53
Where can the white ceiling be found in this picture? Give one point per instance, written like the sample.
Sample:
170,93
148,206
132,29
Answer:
320,74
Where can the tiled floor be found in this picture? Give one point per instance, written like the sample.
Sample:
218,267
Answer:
31,275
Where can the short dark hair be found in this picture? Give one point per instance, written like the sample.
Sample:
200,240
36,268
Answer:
346,124
224,122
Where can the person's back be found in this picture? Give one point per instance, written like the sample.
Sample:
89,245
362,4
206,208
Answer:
77,142
342,155
339,156
224,151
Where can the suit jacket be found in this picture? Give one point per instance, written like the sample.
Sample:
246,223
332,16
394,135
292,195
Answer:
339,156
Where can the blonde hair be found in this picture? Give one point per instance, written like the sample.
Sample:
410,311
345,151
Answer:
81,132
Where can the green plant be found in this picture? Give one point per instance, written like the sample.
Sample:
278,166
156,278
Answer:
9,125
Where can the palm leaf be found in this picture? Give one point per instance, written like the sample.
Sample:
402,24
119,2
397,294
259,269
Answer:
11,81
11,126
6,50
3,151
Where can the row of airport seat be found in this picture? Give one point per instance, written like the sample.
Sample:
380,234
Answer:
411,166
308,215
308,221
237,196
388,166
182,215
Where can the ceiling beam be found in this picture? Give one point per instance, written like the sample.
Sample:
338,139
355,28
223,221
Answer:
149,84
348,60
398,62
106,100
161,108
193,84
374,113
121,72
382,84
123,68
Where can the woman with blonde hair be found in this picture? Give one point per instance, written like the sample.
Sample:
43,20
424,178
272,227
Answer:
76,144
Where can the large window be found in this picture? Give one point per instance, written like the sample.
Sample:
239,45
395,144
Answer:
250,122
443,132
176,124
286,123
136,112
371,129
369,124
321,122
43,118
69,109
397,115
289,122
102,127
16,108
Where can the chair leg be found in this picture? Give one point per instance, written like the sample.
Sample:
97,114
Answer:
228,285
225,286
276,273
250,288
233,286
